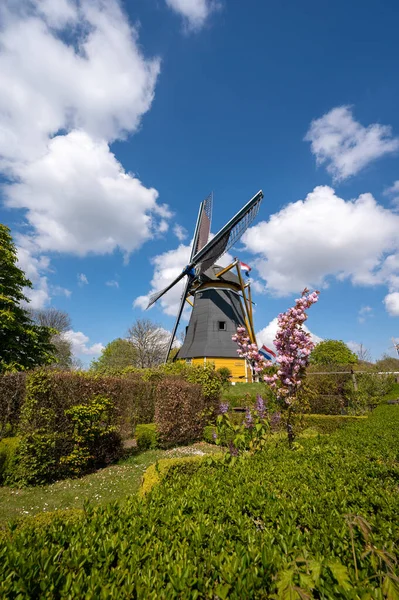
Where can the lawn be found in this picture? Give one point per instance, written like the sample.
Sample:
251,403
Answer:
101,487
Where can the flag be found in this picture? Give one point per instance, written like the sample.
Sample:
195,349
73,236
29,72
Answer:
246,268
267,353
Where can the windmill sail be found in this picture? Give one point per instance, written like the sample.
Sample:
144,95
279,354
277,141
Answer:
218,245
228,235
203,227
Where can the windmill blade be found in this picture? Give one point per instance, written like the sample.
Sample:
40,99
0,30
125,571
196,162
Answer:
157,295
203,226
173,335
227,236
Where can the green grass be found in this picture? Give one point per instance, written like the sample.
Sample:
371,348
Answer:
242,393
101,487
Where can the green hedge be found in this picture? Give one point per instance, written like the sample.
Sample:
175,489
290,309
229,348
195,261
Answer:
329,423
146,436
319,522
8,451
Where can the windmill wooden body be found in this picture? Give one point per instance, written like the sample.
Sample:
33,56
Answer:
220,299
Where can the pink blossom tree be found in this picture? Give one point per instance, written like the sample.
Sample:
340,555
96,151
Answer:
293,345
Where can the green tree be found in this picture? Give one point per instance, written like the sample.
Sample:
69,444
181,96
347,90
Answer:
23,344
333,352
116,355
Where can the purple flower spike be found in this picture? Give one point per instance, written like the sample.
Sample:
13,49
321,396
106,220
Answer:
249,422
260,407
214,435
223,408
275,420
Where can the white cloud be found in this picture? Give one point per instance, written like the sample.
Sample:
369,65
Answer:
393,191
58,290
324,236
167,266
34,267
80,344
112,283
267,335
180,232
391,302
194,12
364,313
79,199
74,79
345,145
82,279
100,81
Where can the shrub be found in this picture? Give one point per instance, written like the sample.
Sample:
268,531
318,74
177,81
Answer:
8,450
179,412
329,423
12,394
96,442
146,436
225,375
167,467
321,522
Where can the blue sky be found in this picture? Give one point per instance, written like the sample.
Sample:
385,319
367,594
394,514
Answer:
116,120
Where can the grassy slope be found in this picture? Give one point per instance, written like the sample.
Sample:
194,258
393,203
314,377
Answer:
106,485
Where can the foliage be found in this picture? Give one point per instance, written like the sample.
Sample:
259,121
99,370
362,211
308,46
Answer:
146,436
49,428
205,375
96,441
225,375
23,345
320,522
334,352
371,389
12,395
8,450
157,472
251,435
179,412
118,354
326,424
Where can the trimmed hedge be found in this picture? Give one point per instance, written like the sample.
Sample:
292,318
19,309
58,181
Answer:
320,423
12,396
165,467
329,423
8,451
322,522
179,412
146,436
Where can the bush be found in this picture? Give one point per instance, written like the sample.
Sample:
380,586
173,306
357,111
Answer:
225,375
179,412
328,423
146,436
8,450
12,395
166,467
321,522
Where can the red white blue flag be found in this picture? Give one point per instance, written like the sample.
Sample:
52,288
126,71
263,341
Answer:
246,268
267,353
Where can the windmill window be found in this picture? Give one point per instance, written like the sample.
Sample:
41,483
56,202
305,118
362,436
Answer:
222,325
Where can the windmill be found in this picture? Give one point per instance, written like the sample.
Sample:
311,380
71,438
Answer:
396,346
220,299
